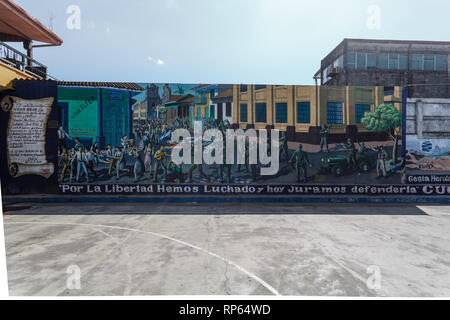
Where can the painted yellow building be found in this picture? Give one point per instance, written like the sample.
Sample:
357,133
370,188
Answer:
8,74
301,110
203,106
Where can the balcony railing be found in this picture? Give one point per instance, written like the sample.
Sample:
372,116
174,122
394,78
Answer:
22,62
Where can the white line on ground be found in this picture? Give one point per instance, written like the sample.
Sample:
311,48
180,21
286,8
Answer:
248,273
436,211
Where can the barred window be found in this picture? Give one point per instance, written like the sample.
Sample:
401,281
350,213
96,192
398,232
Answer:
260,112
360,111
281,112
334,113
303,112
243,114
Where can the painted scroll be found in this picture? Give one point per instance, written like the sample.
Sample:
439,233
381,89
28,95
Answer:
26,136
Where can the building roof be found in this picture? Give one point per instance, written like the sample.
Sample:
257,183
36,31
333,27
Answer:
131,86
223,95
174,99
399,41
200,86
17,25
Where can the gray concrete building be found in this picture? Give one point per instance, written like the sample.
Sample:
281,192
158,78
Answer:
421,66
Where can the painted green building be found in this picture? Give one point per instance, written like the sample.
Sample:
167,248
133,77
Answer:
97,111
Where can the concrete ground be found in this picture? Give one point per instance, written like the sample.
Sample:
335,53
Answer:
216,249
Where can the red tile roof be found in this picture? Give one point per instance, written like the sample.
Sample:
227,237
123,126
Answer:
180,99
115,85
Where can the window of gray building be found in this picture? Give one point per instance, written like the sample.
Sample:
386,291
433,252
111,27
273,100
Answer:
429,62
393,61
361,61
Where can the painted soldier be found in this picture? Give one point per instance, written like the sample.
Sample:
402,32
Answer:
301,161
351,156
284,146
324,133
381,161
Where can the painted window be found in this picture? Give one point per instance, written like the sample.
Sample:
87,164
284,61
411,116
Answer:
228,109
199,113
243,88
303,112
259,86
281,113
260,112
243,114
360,110
212,112
206,112
334,113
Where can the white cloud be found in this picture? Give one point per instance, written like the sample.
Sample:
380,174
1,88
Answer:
155,60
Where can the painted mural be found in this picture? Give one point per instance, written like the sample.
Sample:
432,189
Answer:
225,139
350,138
427,141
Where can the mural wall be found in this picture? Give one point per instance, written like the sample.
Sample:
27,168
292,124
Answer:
428,140
325,141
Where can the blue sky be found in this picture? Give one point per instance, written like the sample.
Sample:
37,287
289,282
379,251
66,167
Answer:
220,41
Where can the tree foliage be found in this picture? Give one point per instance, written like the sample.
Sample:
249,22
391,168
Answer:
385,118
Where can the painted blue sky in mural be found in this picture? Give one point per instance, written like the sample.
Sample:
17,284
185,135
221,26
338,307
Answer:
175,87
220,41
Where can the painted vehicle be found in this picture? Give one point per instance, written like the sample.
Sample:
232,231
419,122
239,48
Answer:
339,164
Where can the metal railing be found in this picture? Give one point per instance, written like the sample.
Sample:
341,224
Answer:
22,62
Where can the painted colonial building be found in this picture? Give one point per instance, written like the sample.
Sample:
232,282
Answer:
97,111
179,107
203,105
223,103
301,110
